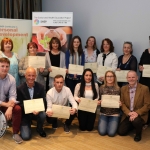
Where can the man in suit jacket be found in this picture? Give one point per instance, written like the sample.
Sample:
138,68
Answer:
31,90
135,106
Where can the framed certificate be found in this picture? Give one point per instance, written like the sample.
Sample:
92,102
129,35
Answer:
36,61
61,111
88,105
75,69
92,66
56,71
110,101
33,105
146,71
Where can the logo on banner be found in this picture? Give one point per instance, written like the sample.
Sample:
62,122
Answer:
36,21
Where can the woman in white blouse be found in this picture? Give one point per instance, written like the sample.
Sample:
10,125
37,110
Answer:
87,89
107,58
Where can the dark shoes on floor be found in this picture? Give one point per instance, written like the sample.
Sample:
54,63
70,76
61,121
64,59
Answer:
66,128
41,132
137,138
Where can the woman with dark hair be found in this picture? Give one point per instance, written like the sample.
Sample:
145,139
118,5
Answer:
109,117
107,58
55,57
127,61
75,56
23,65
6,51
87,89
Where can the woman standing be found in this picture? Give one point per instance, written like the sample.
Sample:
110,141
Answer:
23,65
127,61
75,56
55,57
6,51
107,58
87,89
109,117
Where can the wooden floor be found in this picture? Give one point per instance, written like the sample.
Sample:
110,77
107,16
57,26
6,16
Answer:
75,140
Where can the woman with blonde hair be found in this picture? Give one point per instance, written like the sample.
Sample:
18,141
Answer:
109,117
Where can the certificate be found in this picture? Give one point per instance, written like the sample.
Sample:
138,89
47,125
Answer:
121,75
146,71
36,61
56,71
110,101
92,66
87,105
101,70
33,105
75,69
61,111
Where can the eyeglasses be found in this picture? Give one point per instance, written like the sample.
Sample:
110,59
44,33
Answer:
109,76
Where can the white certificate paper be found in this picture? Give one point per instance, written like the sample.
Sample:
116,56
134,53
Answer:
92,66
56,71
36,61
110,101
75,69
146,71
121,75
33,105
61,111
101,70
88,105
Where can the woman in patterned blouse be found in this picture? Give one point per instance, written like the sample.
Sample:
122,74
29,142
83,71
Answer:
109,117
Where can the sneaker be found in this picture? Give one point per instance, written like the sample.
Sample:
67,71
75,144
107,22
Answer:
66,128
17,138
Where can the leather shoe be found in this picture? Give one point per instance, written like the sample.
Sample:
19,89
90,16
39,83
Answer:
41,132
137,138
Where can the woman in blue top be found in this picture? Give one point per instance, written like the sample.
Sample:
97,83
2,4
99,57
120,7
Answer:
127,61
74,55
6,51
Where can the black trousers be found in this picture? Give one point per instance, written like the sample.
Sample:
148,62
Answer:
86,120
53,121
126,125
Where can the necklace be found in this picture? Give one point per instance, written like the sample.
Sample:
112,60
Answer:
88,84
125,59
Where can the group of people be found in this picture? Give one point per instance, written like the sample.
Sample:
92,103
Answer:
33,83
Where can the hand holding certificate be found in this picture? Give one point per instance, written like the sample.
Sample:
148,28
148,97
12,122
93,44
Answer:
87,105
110,101
121,75
75,69
101,71
33,105
56,70
92,66
61,111
36,61
146,71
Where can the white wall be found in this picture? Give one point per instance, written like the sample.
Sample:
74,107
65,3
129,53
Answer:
119,20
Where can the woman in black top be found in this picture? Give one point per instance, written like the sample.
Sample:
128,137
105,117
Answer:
127,61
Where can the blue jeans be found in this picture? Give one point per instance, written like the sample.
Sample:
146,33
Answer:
25,130
108,125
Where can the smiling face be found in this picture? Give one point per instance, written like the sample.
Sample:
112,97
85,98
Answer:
76,43
110,78
132,78
30,76
90,42
7,46
4,68
106,46
88,77
127,49
32,50
55,45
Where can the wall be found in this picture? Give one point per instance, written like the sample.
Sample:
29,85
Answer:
119,20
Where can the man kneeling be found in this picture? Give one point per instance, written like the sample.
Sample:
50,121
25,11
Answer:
31,90
60,95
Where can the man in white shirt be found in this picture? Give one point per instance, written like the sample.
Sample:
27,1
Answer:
60,95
